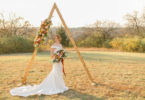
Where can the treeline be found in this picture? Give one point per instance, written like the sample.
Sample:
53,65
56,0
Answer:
15,44
129,44
14,25
107,34
17,34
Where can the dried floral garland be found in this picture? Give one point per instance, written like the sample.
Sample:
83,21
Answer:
42,33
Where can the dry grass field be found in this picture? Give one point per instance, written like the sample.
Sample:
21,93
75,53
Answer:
119,75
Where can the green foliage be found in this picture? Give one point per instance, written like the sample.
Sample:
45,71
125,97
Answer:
135,44
15,44
107,44
94,40
116,43
64,38
129,44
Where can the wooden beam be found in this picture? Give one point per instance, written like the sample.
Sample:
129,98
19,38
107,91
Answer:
24,78
74,44
51,12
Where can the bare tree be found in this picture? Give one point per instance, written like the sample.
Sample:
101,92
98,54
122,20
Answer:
133,21
105,28
3,24
14,25
143,22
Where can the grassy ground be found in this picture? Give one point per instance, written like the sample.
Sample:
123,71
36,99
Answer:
119,75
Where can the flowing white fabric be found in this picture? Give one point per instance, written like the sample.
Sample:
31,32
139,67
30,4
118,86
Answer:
52,84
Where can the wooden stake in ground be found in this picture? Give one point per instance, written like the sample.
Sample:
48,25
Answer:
72,40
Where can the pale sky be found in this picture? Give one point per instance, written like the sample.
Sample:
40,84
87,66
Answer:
75,12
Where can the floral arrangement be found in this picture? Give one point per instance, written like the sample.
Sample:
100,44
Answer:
59,55
42,33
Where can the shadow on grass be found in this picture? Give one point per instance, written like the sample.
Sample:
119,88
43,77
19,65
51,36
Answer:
68,95
73,94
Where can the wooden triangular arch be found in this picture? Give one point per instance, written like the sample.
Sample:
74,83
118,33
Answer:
72,40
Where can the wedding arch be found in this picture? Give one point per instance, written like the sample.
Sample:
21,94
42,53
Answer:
40,38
